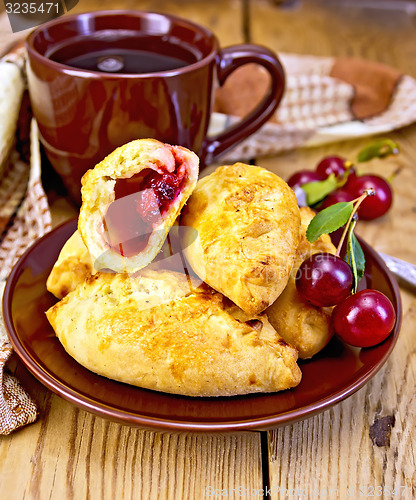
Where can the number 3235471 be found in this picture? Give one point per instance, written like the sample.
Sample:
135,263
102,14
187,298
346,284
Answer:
32,8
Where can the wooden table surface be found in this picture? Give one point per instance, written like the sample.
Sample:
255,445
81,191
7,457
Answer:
69,453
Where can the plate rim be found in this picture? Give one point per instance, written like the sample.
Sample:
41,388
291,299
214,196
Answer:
157,423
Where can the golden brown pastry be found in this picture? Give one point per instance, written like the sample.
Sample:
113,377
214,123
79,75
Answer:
72,268
247,220
131,199
74,263
155,330
303,325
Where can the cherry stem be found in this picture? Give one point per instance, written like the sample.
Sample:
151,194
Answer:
391,177
357,202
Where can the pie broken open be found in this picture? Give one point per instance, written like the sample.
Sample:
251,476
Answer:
131,199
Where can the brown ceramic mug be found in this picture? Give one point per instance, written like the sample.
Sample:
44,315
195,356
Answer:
98,80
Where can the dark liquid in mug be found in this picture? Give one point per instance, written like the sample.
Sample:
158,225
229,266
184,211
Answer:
125,61
123,55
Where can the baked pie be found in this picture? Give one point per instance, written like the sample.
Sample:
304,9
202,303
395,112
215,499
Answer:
126,315
156,330
305,326
131,199
247,220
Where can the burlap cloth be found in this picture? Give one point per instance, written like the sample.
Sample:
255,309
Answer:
24,217
326,100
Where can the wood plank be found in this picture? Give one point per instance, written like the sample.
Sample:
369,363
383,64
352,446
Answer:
328,28
322,452
332,455
70,453
223,17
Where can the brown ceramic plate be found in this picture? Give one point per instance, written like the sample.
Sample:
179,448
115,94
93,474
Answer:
336,373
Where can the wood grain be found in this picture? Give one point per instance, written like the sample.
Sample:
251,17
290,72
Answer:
70,453
337,28
395,233
333,452
224,18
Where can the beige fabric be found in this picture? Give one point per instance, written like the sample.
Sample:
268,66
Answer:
23,223
326,100
16,406
12,87
374,84
28,218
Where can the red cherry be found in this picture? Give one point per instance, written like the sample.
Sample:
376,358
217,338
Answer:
304,177
165,186
336,197
376,205
364,319
352,175
331,165
324,279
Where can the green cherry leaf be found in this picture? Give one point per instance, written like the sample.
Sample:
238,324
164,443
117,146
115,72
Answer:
316,191
380,148
329,220
355,257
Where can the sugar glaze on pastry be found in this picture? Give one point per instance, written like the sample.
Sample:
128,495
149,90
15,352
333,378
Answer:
131,199
157,331
248,222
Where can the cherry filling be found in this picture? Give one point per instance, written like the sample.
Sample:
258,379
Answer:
140,202
158,191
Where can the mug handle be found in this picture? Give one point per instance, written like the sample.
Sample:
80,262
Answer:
228,60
